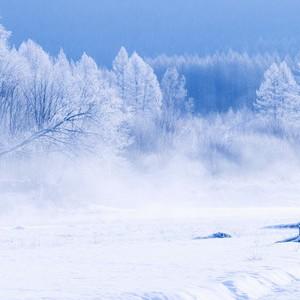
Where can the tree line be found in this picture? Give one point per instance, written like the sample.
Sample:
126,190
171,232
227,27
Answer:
50,104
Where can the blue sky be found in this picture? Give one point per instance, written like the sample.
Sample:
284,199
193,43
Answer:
152,27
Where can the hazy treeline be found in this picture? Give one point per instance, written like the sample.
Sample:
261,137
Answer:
198,106
221,81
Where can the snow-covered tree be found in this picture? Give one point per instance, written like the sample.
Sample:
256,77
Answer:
142,90
50,103
293,103
111,121
12,76
4,36
175,102
44,111
278,96
107,127
144,99
119,68
39,89
63,78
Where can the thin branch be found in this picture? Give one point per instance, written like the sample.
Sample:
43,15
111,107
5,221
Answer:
56,128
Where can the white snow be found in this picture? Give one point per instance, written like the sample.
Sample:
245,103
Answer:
110,253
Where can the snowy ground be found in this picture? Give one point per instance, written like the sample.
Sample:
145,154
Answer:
121,254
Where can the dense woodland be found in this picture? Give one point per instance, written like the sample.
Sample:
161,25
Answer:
198,105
